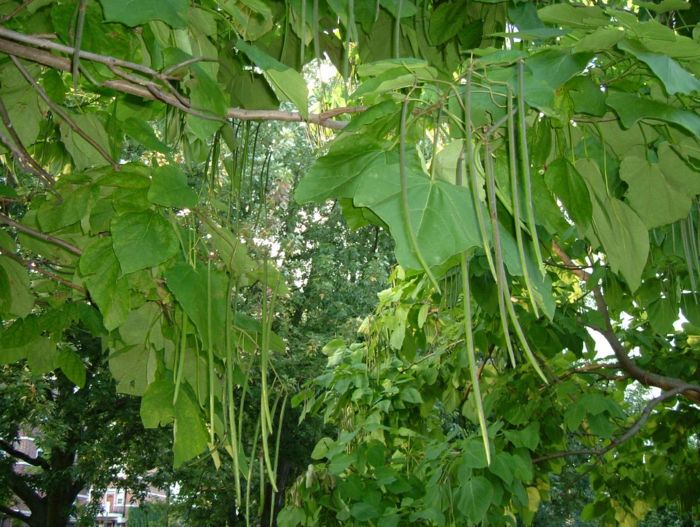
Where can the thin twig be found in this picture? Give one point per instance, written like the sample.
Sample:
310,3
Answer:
22,159
187,63
15,11
64,115
43,174
40,235
32,266
631,431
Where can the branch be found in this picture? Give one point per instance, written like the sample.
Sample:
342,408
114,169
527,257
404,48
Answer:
48,59
32,265
691,391
14,514
41,235
63,114
631,431
23,154
35,461
15,11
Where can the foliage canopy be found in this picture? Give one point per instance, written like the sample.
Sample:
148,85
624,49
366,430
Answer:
536,166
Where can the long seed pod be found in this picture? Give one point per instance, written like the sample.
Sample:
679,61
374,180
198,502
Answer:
210,353
692,269
515,199
523,342
303,33
469,337
181,356
233,432
501,281
249,477
473,182
404,194
525,163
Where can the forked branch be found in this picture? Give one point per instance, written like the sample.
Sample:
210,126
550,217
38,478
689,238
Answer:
691,391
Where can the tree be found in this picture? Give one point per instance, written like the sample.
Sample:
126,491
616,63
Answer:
89,437
535,185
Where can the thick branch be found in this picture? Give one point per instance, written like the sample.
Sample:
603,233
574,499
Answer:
35,461
122,85
40,235
631,431
691,391
14,514
34,266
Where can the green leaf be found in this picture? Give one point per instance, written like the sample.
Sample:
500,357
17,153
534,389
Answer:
42,356
83,153
411,395
364,511
691,308
674,78
338,173
288,84
555,67
131,175
631,109
574,415
500,465
446,21
129,367
142,239
575,17
322,447
339,463
108,289
143,132
600,39
290,516
474,498
72,367
76,203
563,179
586,96
190,434
600,425
475,455
20,295
622,234
431,203
189,286
664,6
157,404
679,173
393,79
22,103
662,314
169,188
138,12
655,199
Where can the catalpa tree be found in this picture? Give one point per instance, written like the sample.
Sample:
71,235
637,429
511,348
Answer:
535,164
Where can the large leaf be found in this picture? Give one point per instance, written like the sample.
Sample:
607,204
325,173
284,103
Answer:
84,154
190,288
474,498
21,102
20,295
442,215
287,83
157,404
338,173
72,367
567,15
190,434
76,204
169,188
138,12
563,179
143,132
108,289
621,232
655,199
555,67
142,239
674,78
631,109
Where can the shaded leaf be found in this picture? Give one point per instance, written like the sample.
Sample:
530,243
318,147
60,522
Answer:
142,239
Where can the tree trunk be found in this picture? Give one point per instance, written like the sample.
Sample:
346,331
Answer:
284,468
